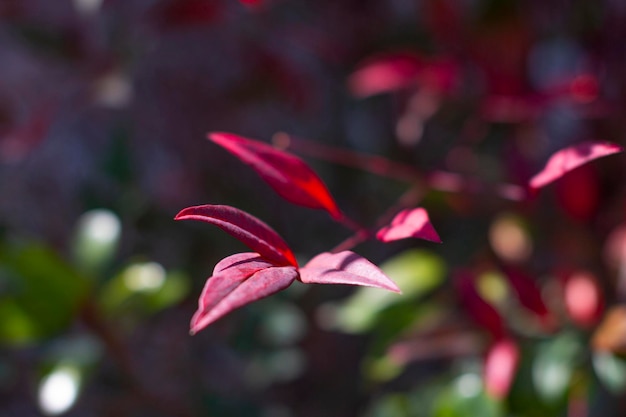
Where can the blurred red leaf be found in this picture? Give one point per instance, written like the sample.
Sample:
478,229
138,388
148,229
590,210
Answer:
183,13
345,268
257,235
527,291
570,158
288,175
578,193
583,298
409,223
251,2
481,311
500,366
393,71
239,280
21,140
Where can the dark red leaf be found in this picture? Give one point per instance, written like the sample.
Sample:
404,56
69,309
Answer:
257,235
481,311
570,158
184,13
527,291
288,175
345,268
409,223
500,366
245,279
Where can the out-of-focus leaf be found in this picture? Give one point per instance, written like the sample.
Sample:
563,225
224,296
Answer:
288,175
283,324
382,368
174,289
96,239
345,268
142,287
583,299
18,143
570,158
409,223
391,405
42,293
251,231
416,271
611,371
555,361
610,336
481,311
500,366
466,398
240,284
393,71
184,13
527,291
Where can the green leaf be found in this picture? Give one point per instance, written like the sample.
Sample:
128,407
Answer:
41,296
143,287
554,364
465,397
611,371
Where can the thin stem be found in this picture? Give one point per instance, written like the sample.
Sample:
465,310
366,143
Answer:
436,180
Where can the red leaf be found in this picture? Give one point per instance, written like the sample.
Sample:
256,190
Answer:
345,268
583,298
409,223
254,233
527,291
247,278
500,366
288,175
385,73
184,13
481,311
570,158
393,71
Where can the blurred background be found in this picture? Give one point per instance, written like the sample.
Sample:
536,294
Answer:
104,110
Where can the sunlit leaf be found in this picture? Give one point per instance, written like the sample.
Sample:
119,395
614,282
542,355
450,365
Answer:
248,279
415,271
570,158
409,223
251,231
345,268
288,175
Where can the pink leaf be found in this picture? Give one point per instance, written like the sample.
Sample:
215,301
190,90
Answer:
288,175
393,71
345,268
570,158
254,233
385,73
409,223
500,366
239,284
